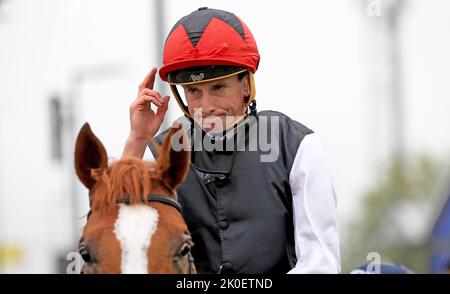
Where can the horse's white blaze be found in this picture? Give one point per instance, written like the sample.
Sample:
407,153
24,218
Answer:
134,228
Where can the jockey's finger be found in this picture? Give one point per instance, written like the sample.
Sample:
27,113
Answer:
152,99
163,109
151,93
165,103
143,101
149,80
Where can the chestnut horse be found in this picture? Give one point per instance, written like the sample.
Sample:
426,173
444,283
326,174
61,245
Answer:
135,223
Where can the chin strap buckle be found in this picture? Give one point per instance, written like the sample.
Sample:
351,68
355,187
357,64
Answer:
252,107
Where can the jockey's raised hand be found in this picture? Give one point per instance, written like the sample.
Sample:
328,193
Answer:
144,121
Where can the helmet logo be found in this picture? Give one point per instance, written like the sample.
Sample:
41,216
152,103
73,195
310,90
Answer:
196,78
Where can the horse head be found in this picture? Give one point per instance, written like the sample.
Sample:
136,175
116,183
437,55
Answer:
135,223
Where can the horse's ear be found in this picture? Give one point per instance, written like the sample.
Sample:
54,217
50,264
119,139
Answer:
89,154
174,157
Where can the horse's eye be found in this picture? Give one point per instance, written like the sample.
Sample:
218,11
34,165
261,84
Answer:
184,250
85,254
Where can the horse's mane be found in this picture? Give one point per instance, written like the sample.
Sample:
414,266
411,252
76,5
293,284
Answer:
129,178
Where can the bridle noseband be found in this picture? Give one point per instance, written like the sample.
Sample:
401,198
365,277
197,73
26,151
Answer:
156,198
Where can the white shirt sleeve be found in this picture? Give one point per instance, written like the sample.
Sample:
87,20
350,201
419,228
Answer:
314,205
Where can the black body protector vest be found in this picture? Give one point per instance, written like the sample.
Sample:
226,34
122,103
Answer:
236,200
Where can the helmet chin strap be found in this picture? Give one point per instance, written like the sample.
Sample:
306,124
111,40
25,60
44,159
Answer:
182,106
252,108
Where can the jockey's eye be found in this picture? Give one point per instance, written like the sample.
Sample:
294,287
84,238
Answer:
84,252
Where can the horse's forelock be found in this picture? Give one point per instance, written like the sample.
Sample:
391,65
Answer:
129,178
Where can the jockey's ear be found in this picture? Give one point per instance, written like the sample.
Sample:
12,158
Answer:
90,154
174,157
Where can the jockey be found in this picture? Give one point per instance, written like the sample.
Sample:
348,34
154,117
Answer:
259,196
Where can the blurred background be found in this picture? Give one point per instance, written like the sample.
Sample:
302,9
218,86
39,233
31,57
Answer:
371,77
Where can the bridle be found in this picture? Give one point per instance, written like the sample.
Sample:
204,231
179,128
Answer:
164,200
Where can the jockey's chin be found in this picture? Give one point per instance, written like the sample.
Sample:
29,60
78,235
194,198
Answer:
218,123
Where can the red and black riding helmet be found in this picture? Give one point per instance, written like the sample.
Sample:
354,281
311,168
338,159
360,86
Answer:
205,45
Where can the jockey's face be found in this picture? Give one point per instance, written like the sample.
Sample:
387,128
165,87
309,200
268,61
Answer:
210,103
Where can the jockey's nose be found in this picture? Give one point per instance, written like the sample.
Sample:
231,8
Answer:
208,106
